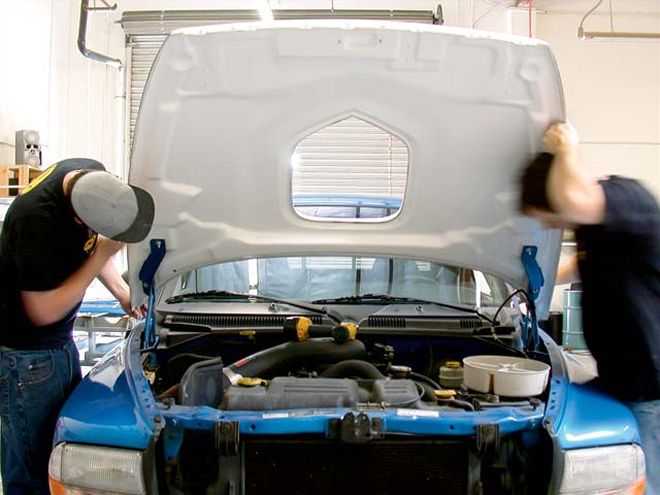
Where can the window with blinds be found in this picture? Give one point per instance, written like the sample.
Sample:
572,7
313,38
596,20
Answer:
351,169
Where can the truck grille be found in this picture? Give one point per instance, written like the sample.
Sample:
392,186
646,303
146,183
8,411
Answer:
384,467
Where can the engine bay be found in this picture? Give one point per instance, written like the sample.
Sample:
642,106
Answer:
331,396
368,372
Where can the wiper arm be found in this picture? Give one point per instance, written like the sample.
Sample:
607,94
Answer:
209,294
379,298
388,299
215,295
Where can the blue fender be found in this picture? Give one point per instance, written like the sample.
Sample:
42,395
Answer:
582,415
113,405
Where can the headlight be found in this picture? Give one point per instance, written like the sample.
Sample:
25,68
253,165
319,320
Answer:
604,470
78,469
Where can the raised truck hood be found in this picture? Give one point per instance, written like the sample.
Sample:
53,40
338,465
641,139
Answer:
225,106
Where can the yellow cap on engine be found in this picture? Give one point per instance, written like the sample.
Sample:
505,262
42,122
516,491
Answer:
247,381
445,394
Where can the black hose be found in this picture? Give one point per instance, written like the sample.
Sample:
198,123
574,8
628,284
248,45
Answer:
429,392
353,368
281,358
424,378
461,403
411,401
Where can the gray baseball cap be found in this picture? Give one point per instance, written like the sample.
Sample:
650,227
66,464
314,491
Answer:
112,208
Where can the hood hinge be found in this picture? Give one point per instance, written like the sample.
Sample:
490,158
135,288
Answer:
530,333
533,271
147,275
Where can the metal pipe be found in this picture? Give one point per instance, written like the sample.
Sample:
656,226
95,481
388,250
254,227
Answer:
82,35
107,6
605,35
120,94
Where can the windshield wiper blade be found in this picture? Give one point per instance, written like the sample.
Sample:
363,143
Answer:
384,298
389,299
215,295
209,294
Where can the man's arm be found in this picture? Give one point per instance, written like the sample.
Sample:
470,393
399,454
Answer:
568,271
49,306
572,190
113,281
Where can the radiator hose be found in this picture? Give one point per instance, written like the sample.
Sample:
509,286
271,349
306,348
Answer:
282,358
353,368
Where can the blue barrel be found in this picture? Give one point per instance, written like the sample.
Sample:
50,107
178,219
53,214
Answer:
572,336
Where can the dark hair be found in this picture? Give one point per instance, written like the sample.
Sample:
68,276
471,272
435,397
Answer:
72,181
533,182
69,187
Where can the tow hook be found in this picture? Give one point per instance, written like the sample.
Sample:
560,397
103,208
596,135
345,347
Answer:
355,428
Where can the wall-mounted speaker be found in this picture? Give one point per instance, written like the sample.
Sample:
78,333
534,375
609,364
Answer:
28,148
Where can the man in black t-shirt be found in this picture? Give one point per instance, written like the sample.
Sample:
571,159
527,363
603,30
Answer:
617,227
58,235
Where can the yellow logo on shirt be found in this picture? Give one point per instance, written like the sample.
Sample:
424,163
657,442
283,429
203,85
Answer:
91,242
39,179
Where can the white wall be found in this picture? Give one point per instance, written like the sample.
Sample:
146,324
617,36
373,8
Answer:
612,88
48,85
24,68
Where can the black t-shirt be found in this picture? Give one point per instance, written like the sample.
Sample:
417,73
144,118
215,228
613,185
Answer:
619,264
40,247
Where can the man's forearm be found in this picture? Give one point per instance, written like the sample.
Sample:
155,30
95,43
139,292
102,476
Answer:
111,279
568,186
573,191
568,271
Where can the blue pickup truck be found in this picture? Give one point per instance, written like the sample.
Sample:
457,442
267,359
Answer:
290,349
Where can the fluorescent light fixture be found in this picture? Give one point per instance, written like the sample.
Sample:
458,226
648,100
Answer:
265,12
617,35
612,34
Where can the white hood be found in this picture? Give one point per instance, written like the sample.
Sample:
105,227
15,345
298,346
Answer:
225,106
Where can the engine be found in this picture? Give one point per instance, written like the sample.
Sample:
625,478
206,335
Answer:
320,376
317,373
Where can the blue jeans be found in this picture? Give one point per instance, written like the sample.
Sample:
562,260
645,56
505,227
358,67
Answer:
648,418
33,388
